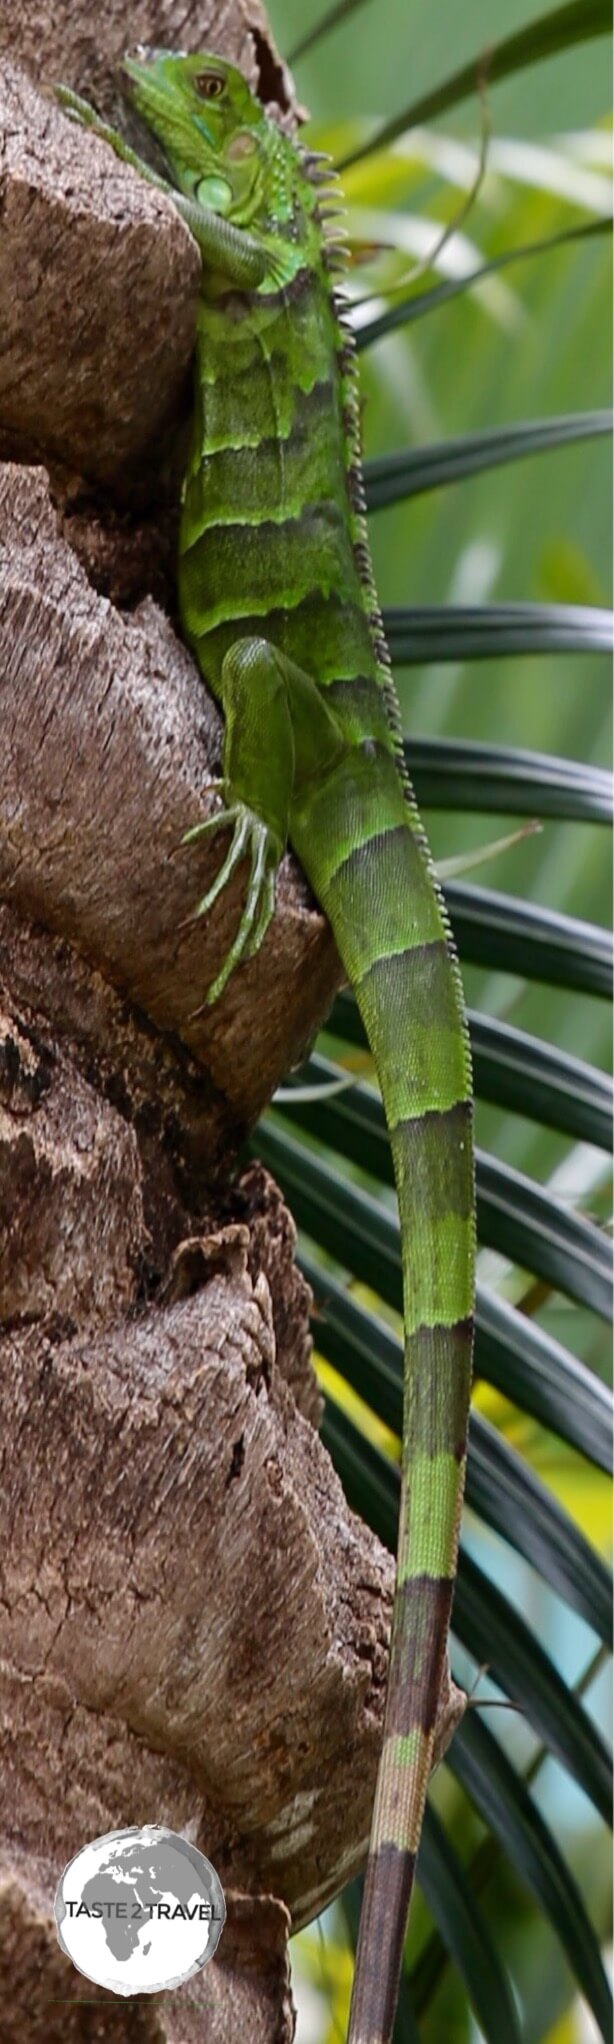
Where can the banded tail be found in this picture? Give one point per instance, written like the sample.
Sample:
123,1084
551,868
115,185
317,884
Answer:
382,899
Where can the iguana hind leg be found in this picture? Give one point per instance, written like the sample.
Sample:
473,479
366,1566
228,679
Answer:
276,725
257,786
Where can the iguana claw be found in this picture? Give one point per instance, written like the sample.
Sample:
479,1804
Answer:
254,839
80,111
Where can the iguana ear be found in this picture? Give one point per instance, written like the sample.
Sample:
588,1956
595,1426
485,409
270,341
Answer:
241,145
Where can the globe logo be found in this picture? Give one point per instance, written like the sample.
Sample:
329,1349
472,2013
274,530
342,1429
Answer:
139,1910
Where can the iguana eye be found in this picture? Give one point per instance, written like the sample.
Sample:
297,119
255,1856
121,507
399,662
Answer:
209,85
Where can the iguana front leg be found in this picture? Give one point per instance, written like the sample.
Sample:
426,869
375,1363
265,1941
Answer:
222,246
257,786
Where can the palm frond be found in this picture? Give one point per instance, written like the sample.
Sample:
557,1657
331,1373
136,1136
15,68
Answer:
456,773
417,470
485,1620
450,402
495,631
564,28
510,1811
421,303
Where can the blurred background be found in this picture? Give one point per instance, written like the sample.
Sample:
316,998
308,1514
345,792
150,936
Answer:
532,340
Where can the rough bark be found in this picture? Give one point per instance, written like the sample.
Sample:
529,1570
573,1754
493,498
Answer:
66,39
184,1589
109,743
193,1626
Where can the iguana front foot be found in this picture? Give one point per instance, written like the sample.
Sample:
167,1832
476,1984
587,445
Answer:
75,107
83,115
253,838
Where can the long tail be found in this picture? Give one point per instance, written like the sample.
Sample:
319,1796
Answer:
391,930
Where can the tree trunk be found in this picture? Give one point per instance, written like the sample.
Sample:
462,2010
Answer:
193,1624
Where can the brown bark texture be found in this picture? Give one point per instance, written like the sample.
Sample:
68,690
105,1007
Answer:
193,1625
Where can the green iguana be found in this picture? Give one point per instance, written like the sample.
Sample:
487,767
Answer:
278,604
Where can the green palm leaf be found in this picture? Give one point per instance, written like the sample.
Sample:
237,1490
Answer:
417,470
563,29
507,1807
421,303
498,931
516,1504
498,631
454,1907
460,774
484,1620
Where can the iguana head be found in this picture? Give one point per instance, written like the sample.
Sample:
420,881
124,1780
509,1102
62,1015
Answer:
221,147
